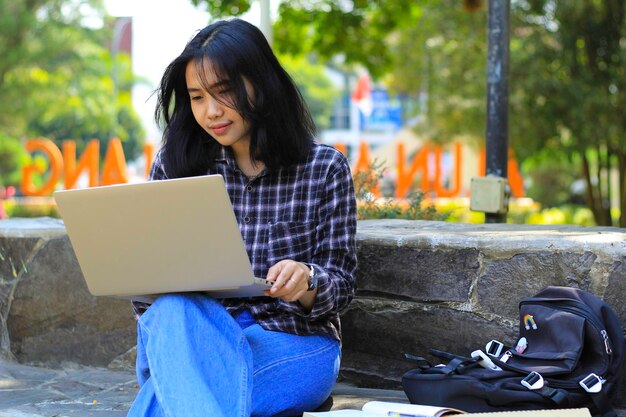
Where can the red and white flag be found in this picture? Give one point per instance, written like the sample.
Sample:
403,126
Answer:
362,94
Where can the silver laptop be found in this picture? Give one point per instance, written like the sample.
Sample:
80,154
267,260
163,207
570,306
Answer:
138,240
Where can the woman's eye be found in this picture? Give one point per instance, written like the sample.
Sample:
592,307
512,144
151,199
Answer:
196,98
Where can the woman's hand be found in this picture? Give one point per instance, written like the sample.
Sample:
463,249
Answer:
291,282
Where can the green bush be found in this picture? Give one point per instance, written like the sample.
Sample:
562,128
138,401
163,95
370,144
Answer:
40,209
414,207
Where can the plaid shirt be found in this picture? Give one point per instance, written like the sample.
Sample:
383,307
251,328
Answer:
305,212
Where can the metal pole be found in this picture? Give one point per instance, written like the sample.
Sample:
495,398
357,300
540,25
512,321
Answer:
497,94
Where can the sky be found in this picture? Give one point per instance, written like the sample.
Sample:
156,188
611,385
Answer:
160,31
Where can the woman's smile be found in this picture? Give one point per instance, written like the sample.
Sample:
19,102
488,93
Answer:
212,106
220,128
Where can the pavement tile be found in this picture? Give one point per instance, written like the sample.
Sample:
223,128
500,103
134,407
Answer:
28,391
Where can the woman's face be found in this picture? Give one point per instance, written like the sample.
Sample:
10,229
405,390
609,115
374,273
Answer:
217,116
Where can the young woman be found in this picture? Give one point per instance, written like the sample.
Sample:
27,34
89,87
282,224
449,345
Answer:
229,108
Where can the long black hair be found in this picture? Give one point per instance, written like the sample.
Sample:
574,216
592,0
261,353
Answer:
281,127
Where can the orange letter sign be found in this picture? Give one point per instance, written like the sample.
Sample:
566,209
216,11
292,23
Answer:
55,160
114,170
88,161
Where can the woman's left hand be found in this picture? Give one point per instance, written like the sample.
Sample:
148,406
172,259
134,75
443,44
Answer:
291,282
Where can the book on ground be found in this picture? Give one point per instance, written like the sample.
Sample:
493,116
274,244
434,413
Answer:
391,409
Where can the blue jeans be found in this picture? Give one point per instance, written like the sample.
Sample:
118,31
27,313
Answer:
194,359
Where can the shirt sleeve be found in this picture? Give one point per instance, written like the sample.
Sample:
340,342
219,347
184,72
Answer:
334,257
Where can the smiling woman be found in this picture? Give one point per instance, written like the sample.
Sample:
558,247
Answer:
215,109
228,107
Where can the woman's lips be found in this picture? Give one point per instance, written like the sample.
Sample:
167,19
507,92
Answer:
220,128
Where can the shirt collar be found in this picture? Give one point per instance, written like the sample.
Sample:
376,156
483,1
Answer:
227,155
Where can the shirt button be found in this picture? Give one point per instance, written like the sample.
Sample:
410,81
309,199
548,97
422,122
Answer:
246,219
249,188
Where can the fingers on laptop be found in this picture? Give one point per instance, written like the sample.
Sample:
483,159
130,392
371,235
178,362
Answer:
290,280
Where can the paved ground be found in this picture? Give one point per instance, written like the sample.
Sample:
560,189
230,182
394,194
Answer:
27,391
37,392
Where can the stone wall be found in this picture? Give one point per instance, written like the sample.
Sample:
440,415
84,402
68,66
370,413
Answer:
46,312
421,285
454,287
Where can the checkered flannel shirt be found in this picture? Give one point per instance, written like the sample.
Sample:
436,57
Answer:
307,213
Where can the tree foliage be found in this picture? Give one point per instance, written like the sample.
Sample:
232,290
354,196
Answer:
12,157
57,74
357,30
567,74
439,58
316,88
568,85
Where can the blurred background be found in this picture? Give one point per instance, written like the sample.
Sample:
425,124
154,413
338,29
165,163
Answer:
399,86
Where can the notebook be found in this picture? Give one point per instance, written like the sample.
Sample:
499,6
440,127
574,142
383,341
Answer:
177,235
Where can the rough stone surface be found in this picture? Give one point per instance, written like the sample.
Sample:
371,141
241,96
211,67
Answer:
504,280
50,317
432,275
380,332
421,285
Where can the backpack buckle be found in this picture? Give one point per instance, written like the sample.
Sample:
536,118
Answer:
483,360
494,348
592,383
533,381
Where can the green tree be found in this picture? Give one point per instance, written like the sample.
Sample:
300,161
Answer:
58,75
567,81
439,57
12,157
357,30
568,91
315,86
428,48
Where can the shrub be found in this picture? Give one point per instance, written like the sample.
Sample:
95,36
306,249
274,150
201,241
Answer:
44,208
414,207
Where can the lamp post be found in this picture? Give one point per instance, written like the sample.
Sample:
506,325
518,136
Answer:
497,95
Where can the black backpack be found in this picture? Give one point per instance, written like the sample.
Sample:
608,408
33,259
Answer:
569,355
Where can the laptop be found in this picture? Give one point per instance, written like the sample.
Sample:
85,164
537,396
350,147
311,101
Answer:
138,240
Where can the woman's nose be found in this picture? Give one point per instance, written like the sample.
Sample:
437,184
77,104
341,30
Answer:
214,108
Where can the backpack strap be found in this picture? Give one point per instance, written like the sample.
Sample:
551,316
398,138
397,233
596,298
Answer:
450,356
534,382
451,367
557,396
603,403
455,362
598,389
422,363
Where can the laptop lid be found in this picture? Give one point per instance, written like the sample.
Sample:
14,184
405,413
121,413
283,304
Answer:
157,237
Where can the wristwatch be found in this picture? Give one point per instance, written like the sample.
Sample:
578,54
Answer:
312,279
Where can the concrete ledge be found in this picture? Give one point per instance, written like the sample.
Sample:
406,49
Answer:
421,285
